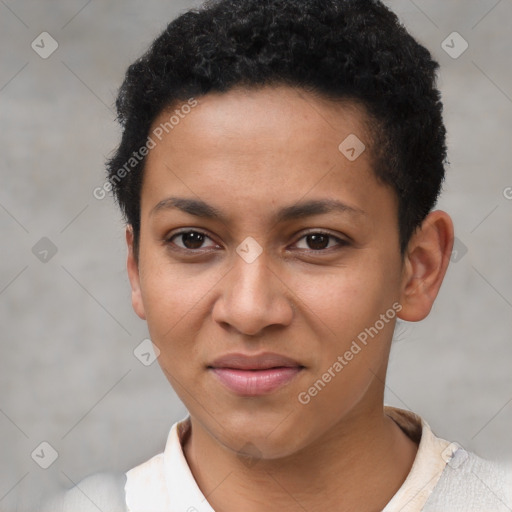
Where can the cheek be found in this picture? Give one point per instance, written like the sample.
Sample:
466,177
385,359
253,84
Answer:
347,308
349,300
175,296
351,340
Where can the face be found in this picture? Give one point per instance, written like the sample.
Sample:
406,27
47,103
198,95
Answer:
267,256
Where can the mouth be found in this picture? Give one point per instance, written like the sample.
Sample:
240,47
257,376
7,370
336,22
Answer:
255,375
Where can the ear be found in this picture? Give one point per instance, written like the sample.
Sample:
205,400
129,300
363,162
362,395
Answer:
425,264
133,275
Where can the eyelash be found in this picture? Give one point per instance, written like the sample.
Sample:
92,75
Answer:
340,242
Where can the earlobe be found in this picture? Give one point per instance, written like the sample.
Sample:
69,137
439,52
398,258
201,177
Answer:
133,275
425,264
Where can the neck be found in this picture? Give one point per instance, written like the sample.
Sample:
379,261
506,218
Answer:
358,465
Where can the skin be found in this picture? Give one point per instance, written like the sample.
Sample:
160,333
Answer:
250,153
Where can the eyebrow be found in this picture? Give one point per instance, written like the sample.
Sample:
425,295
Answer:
199,208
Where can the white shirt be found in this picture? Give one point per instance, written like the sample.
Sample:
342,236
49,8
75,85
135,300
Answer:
443,478
165,483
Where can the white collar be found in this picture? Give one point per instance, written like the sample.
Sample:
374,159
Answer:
165,483
430,461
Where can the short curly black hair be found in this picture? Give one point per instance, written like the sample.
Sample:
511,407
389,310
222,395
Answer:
339,49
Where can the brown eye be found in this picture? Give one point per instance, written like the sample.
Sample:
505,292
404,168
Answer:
318,241
190,240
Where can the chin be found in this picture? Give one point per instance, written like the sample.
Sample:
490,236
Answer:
269,435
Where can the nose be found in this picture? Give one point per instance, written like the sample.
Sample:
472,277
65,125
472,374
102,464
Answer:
252,298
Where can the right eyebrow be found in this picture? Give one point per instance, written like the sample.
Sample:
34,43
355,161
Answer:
194,207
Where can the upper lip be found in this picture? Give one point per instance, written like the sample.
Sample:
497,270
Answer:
253,362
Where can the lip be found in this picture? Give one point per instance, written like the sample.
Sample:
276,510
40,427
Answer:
255,375
262,361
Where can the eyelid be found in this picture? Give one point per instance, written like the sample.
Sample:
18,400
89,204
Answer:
168,239
341,241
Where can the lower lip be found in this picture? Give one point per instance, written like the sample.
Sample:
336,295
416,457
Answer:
256,382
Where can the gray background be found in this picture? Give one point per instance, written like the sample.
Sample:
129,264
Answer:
68,374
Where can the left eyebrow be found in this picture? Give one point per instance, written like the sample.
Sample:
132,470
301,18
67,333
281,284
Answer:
316,207
199,208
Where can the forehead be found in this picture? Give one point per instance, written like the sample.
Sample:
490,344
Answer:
262,146
270,116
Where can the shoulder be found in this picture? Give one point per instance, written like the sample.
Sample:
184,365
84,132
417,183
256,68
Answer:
100,491
146,486
471,480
